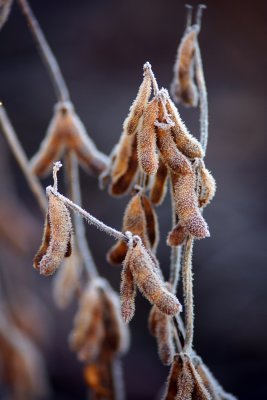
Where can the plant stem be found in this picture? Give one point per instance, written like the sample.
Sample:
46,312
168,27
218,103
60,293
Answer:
88,217
48,57
74,192
188,294
21,158
148,69
203,99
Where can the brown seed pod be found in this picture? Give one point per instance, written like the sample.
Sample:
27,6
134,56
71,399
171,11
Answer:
149,281
161,328
122,184
5,7
128,293
146,140
171,156
177,235
56,243
67,130
171,389
207,186
152,228
137,108
185,382
199,392
186,204
183,87
116,338
159,186
134,220
88,333
99,377
67,281
123,154
185,142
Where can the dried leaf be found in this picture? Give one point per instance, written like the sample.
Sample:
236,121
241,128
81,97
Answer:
159,186
56,242
136,111
146,140
149,281
183,87
186,204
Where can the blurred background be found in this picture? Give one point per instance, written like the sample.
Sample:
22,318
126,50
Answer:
101,46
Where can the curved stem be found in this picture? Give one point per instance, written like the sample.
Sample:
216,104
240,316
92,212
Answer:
73,183
21,158
188,294
46,53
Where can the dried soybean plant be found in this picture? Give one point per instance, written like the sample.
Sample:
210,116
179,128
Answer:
155,150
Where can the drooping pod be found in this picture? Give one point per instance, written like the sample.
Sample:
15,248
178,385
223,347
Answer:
56,243
99,378
149,281
152,229
207,186
185,142
67,280
128,293
171,388
177,235
134,220
125,166
146,139
200,392
137,108
159,185
186,204
66,130
161,328
183,87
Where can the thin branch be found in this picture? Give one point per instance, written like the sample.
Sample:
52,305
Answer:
199,13
21,158
203,99
45,51
73,183
188,294
188,15
88,217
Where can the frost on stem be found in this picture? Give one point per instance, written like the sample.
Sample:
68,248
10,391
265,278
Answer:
140,219
66,131
56,243
183,87
137,108
148,280
5,7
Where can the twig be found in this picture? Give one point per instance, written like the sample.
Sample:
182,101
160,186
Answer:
21,158
199,13
203,99
88,217
73,183
188,15
48,57
188,294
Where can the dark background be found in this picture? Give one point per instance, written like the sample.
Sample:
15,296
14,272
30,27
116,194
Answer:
101,47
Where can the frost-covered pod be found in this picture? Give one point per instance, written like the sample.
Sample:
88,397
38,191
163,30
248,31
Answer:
171,387
159,185
66,130
146,140
148,280
56,243
207,186
152,226
185,382
122,183
183,87
160,327
67,280
137,108
128,293
134,220
185,142
123,155
177,235
171,155
88,332
200,392
186,204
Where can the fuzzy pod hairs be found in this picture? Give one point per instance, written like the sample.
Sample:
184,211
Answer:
66,130
56,243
